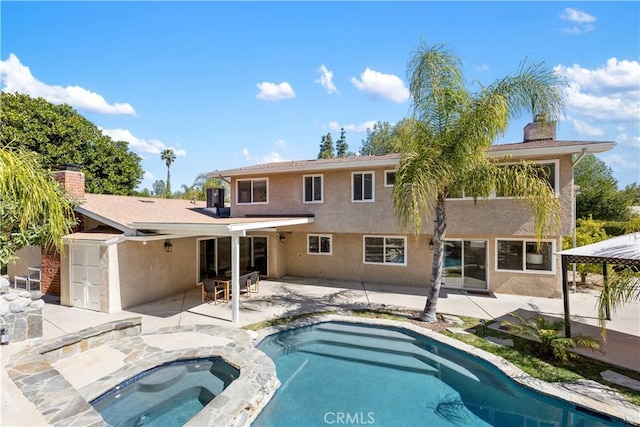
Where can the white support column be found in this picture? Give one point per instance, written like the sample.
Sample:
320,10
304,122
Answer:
235,278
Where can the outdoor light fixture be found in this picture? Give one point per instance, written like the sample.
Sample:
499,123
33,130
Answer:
282,237
431,245
4,337
168,247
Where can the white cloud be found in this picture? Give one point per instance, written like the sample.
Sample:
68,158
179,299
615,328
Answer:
245,153
149,175
280,143
608,94
153,146
582,20
482,68
624,139
362,127
615,161
575,15
273,92
584,128
272,156
15,77
388,86
326,79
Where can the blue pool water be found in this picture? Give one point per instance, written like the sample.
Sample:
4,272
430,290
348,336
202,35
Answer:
167,395
338,373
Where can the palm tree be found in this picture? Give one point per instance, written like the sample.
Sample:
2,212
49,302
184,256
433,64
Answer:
447,147
169,156
33,207
622,287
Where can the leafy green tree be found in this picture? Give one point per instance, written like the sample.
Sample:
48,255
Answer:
159,188
59,135
342,148
33,208
169,156
198,190
326,147
379,140
145,192
384,138
448,145
599,196
632,193
551,344
588,231
633,225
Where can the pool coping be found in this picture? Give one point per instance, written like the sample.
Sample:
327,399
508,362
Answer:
62,404
585,393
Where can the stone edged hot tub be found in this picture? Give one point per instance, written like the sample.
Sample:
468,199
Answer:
50,374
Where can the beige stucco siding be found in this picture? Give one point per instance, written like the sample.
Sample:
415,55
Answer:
339,214
147,272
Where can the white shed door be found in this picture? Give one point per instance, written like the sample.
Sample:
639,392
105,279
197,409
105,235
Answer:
85,277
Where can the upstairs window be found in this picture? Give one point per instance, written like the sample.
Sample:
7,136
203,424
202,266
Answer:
312,189
252,191
389,178
362,187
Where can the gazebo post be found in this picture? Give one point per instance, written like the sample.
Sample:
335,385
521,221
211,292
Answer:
565,297
605,289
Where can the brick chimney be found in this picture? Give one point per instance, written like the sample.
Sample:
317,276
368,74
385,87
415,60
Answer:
71,178
540,131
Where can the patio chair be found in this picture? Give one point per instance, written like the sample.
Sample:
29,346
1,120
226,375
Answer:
253,282
35,276
212,289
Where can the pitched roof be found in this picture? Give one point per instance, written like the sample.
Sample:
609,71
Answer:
517,149
129,214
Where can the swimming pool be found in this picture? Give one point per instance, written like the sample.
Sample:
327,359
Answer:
347,373
167,395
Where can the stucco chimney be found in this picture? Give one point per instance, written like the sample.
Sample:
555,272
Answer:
71,178
540,131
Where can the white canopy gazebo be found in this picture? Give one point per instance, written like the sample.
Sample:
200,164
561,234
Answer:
620,250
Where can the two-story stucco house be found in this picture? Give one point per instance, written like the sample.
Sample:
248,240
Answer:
490,246
330,219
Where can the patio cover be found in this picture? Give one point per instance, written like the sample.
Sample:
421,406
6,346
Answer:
619,250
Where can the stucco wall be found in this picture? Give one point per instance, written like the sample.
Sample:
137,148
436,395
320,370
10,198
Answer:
338,214
28,256
346,263
148,273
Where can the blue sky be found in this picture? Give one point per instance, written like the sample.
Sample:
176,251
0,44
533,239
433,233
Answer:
230,84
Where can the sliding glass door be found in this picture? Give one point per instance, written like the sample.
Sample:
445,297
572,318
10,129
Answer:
465,264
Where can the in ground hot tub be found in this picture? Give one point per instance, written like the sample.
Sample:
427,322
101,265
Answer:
167,395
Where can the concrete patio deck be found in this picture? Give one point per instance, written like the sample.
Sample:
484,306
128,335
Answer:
291,296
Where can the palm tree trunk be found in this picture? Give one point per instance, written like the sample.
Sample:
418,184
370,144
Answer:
439,231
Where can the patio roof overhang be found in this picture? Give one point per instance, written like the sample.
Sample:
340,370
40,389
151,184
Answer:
221,226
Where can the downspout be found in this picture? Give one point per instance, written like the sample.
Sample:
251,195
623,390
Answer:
574,162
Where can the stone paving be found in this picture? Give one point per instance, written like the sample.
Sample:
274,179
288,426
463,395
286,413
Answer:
65,404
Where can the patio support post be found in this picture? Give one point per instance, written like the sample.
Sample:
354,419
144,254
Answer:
565,297
605,289
235,278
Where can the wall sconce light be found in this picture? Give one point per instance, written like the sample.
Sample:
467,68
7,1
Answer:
431,244
168,247
282,237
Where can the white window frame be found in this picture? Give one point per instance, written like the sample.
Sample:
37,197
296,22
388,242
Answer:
252,202
386,174
556,179
524,256
320,236
384,251
304,188
373,186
